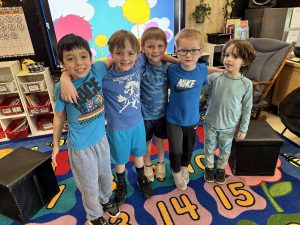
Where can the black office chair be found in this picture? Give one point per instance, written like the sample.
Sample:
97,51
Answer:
289,112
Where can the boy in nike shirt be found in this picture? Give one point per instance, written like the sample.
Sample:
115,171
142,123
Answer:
185,80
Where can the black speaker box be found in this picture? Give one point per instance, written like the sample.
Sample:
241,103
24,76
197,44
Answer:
253,4
258,153
287,3
27,183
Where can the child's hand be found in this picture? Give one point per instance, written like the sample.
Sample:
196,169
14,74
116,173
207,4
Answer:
54,154
212,69
68,91
240,136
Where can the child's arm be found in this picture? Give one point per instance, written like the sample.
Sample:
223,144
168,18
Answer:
212,69
68,91
58,123
108,63
247,103
169,58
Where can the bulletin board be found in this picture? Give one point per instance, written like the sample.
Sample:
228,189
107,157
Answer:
15,39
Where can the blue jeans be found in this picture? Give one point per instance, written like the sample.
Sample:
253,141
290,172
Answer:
222,139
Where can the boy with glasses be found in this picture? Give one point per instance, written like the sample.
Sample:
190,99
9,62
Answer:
186,79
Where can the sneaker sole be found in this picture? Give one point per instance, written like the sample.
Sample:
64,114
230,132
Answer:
151,179
208,181
113,216
218,182
161,179
181,189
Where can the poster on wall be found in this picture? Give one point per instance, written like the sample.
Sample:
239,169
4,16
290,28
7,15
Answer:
97,20
15,39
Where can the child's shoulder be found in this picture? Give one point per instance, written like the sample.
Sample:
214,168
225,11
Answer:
202,65
247,80
98,64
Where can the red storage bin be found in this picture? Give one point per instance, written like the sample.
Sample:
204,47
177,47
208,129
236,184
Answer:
2,134
43,108
45,122
13,133
8,109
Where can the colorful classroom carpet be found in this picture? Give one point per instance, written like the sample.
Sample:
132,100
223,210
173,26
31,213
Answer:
263,200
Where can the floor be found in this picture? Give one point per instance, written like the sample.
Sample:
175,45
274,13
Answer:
276,124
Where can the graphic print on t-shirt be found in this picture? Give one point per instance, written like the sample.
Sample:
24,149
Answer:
184,85
131,93
90,101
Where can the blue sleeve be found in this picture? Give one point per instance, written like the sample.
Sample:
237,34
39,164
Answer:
204,72
59,103
141,61
100,69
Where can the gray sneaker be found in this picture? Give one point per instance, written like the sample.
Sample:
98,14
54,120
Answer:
160,171
148,171
179,182
185,174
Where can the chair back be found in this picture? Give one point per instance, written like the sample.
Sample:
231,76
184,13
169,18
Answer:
271,57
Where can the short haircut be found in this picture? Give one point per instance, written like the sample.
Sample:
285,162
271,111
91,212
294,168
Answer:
189,33
70,42
119,38
153,33
244,50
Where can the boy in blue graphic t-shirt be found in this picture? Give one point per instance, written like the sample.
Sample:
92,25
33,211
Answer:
125,126
88,150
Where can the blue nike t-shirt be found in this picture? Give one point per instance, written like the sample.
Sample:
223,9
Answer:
185,89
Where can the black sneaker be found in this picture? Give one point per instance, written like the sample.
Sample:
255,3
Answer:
220,176
99,221
120,192
111,209
209,175
145,187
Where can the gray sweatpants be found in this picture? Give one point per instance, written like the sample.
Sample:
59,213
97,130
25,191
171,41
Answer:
91,168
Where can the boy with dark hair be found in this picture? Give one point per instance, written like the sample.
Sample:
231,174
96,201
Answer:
229,107
125,126
89,152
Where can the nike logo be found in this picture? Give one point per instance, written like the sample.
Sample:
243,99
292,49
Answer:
184,85
181,89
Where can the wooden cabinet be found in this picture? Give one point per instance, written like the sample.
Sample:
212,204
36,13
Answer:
15,87
288,80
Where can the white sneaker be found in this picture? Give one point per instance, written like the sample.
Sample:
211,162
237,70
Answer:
185,174
179,182
148,171
160,171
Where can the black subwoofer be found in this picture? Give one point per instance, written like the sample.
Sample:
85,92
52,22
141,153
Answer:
253,4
